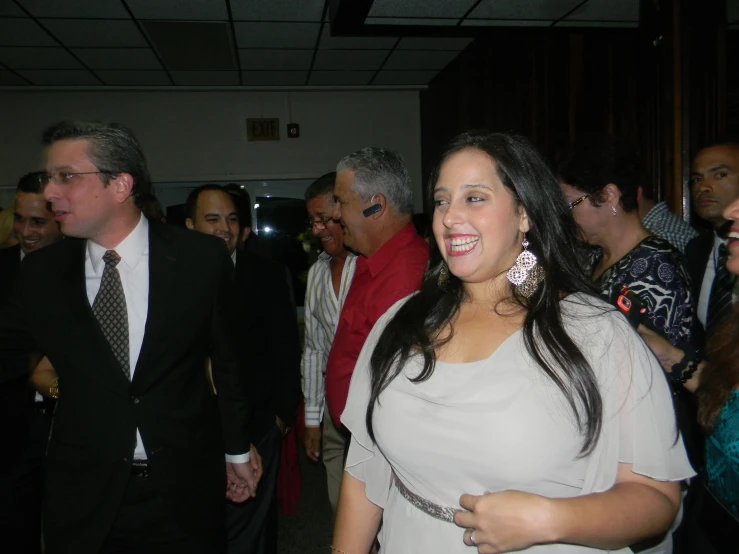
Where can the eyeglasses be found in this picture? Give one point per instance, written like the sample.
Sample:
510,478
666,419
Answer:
66,177
319,224
574,203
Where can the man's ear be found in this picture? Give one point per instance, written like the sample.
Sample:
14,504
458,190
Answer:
381,201
123,185
189,224
245,233
639,194
523,223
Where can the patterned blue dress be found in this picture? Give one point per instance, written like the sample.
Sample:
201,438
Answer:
722,456
656,272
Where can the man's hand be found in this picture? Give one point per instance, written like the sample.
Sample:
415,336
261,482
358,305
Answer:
242,479
312,442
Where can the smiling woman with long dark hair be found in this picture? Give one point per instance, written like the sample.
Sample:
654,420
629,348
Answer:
504,405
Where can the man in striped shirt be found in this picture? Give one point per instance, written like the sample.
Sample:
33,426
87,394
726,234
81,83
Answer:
328,284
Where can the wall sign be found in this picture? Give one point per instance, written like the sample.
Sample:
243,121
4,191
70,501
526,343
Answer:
263,129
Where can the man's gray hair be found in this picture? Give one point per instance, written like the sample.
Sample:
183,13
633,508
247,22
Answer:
380,171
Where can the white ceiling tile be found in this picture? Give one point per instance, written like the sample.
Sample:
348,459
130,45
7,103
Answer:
134,78
274,78
607,10
331,78
524,9
202,10
60,77
436,22
419,59
349,59
505,23
206,78
288,60
118,58
98,32
404,77
276,35
23,32
111,9
354,43
38,58
9,78
7,9
435,43
420,8
605,24
282,10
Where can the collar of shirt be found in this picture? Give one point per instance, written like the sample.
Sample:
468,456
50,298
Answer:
379,260
233,256
657,211
129,249
323,257
23,254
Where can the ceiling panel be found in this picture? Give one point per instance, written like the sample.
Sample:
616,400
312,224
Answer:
23,32
420,8
607,10
505,23
95,32
350,59
276,35
612,24
10,9
276,59
38,58
134,78
118,58
435,43
330,78
58,77
106,9
404,77
274,78
419,59
354,43
436,22
9,78
524,9
203,10
282,10
206,78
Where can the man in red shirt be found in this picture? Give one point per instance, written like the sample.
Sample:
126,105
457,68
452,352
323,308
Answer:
374,202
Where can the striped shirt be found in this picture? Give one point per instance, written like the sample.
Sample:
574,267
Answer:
322,310
663,223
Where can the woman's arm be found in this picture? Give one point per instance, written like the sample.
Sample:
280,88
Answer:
669,355
357,519
44,379
635,508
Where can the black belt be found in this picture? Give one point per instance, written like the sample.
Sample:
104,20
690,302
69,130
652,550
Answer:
140,468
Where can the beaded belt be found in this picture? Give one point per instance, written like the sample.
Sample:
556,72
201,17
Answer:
434,510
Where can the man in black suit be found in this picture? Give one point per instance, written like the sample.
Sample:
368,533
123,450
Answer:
135,461
26,423
714,185
270,352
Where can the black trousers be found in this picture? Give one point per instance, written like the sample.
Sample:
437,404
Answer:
145,526
21,488
252,525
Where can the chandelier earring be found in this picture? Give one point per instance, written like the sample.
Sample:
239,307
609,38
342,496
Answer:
443,280
526,273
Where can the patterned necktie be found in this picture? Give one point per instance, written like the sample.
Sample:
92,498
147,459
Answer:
719,301
110,310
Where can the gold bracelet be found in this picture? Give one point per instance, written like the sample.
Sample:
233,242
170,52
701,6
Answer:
54,389
334,549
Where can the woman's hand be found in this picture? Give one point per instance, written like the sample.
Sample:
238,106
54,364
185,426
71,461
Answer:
505,521
666,354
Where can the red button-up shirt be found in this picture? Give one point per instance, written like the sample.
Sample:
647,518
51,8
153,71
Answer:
391,273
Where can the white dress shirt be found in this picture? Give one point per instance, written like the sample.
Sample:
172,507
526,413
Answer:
322,310
134,271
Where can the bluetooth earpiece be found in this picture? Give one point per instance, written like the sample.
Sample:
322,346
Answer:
373,209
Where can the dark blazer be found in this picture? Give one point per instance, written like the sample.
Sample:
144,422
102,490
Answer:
697,253
10,264
269,340
184,429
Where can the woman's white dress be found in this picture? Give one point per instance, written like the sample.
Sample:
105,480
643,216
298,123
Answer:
502,424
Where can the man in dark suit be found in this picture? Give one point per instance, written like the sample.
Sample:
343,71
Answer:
25,423
135,461
714,185
270,352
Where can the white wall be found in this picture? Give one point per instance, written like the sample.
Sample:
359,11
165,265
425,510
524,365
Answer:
199,136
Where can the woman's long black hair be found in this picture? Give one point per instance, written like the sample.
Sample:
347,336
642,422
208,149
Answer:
552,238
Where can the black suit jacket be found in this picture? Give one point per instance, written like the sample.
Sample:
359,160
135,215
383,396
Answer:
697,253
269,340
183,427
10,264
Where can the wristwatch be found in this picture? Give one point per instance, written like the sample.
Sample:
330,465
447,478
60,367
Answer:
54,389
